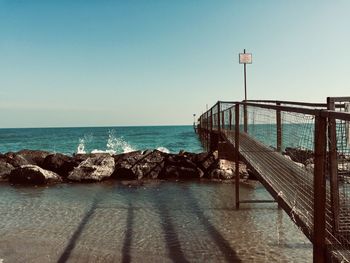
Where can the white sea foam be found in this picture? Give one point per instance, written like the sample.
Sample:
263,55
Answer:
81,146
114,145
163,149
118,144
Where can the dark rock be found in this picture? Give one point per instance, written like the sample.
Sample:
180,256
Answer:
34,157
179,166
60,163
206,161
128,159
148,151
80,157
5,169
178,172
227,169
135,165
299,155
96,168
124,164
32,174
14,159
150,165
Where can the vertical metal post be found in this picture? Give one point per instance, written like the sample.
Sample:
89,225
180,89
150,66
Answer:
245,120
237,154
333,165
219,124
223,120
245,79
319,243
279,128
230,119
207,130
211,119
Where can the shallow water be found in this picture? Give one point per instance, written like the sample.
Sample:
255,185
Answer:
154,222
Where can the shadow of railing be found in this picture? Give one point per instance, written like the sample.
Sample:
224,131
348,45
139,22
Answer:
170,235
128,235
72,242
225,247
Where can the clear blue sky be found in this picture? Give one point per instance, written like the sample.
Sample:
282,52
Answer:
92,63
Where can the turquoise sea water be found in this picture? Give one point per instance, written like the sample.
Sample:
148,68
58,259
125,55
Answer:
101,139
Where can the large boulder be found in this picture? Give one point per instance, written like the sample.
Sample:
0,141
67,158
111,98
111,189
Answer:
96,168
300,155
205,161
5,169
33,174
149,165
180,167
80,157
227,170
35,157
25,157
124,164
60,163
14,159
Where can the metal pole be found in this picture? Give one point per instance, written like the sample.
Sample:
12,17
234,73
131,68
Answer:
223,120
279,129
207,131
211,119
237,155
333,165
319,243
245,79
219,124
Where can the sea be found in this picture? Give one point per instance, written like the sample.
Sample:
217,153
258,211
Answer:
112,140
130,221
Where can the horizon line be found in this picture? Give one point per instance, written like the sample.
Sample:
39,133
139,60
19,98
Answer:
103,126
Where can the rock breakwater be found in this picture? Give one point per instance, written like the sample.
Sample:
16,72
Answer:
41,167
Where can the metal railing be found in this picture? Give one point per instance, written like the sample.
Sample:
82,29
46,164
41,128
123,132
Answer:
315,136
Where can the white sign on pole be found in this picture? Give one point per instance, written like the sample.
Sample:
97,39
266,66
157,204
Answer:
245,58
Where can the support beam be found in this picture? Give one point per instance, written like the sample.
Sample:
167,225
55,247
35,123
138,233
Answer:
279,129
319,243
237,154
223,120
218,114
245,118
333,166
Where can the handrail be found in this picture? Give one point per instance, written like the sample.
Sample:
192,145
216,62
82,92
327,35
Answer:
336,115
324,112
339,99
325,152
291,103
278,107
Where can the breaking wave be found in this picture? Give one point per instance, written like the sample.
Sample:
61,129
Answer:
114,145
81,146
163,149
